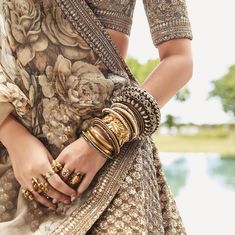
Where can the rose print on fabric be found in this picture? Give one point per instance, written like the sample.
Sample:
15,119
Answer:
23,28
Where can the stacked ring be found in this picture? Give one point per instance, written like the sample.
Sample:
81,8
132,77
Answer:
65,173
48,174
38,186
56,166
28,194
75,179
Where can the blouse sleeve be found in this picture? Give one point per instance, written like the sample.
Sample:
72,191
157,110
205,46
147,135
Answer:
168,19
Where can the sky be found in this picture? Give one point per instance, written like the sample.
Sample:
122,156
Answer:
213,50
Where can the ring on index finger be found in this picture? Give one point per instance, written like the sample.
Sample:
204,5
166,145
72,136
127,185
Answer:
56,166
48,174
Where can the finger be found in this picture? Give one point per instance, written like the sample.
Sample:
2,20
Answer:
41,199
58,184
50,158
54,194
84,184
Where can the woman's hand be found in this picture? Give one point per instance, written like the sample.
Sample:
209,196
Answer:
30,158
80,156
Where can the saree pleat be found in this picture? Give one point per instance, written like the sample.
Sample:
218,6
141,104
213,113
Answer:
64,70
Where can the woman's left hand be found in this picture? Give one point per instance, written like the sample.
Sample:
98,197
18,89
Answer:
80,156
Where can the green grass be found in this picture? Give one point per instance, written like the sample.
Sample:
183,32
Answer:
202,142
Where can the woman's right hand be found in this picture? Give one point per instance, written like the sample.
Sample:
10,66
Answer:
30,158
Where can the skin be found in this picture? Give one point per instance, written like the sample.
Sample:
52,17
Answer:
33,159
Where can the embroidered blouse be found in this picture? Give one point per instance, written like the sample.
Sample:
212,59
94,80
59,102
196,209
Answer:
168,19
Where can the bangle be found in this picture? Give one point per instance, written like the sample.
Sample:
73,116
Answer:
134,114
89,139
99,122
144,105
100,138
121,130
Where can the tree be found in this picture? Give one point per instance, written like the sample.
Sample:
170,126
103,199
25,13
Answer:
141,71
170,121
182,95
224,89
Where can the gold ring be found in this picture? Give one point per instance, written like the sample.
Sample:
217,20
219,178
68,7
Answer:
27,194
38,186
75,179
48,174
56,166
65,173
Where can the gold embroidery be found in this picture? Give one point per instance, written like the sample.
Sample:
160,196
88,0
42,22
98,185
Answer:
114,14
168,19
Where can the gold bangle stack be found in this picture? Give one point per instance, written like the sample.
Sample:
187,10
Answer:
118,126
132,115
88,136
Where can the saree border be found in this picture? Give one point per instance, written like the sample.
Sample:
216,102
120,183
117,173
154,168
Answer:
113,173
93,32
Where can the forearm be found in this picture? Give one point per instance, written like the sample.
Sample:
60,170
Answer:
169,77
173,72
10,130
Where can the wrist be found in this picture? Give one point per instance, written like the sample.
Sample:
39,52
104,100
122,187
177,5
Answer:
10,131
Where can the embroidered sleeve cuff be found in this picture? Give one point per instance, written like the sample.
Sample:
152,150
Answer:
171,30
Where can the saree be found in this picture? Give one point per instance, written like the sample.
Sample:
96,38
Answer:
59,69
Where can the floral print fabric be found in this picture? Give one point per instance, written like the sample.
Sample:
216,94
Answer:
49,73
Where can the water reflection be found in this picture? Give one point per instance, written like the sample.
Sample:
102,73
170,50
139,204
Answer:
223,169
176,173
204,186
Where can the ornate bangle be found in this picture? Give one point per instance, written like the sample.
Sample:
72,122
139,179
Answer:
142,104
118,125
129,116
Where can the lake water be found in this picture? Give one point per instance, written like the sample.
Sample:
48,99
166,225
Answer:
204,188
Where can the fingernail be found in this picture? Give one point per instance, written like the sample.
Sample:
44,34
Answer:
51,208
66,201
54,201
73,198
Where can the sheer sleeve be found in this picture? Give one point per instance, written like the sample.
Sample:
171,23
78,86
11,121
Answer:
168,19
12,96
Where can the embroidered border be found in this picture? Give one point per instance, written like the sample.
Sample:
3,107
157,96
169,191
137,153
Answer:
170,30
114,20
